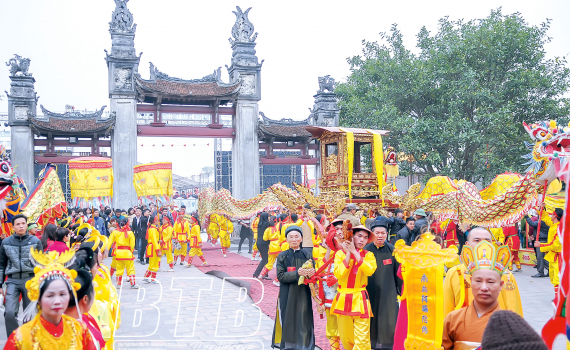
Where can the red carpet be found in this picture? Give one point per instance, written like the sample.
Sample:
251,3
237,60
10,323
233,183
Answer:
240,266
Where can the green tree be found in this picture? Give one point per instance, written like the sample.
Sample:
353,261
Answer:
458,105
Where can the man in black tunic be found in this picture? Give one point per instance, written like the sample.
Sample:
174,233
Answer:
294,328
383,288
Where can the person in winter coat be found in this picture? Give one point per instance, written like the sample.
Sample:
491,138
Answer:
542,238
16,265
396,222
421,221
407,233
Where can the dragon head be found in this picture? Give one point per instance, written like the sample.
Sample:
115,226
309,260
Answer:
550,151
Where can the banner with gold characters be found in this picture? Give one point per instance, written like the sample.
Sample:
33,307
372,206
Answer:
153,183
46,200
422,270
91,181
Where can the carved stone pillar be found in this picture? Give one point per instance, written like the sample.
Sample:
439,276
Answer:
245,68
325,111
122,64
21,107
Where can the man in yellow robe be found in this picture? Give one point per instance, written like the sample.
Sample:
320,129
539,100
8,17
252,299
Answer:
254,226
352,267
321,254
226,229
181,232
553,247
214,228
457,291
195,240
153,250
166,232
125,245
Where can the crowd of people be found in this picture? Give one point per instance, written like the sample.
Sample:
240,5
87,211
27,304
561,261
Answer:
361,280
57,272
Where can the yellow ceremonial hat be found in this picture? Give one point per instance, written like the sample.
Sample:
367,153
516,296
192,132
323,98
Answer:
48,266
105,241
82,226
65,222
95,239
485,256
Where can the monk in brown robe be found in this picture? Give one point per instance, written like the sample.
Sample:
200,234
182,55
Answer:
463,327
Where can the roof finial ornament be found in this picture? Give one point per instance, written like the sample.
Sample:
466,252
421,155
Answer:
122,19
326,83
242,30
19,64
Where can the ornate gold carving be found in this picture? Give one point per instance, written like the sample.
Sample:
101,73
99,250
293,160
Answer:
332,164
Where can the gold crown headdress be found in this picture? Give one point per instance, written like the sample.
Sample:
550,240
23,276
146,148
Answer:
82,226
65,222
49,266
485,256
95,237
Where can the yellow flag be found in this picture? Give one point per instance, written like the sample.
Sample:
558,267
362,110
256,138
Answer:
153,182
91,181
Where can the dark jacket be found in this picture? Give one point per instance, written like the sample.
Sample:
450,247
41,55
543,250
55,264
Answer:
396,224
15,254
543,237
421,222
407,235
99,224
139,226
106,220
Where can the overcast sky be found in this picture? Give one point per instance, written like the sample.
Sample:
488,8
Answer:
299,41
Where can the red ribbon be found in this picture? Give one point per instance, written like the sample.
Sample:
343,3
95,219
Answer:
320,277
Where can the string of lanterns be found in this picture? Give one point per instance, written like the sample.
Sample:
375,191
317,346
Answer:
174,145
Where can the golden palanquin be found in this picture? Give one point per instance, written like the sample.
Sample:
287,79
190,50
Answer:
336,154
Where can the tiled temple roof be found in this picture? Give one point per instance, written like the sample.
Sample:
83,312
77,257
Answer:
284,128
73,122
208,86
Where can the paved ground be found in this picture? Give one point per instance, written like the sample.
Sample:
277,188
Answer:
193,310
536,297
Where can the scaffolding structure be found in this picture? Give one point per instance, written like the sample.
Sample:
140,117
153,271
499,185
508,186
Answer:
269,174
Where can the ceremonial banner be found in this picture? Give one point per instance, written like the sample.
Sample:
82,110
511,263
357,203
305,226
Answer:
422,270
91,181
527,257
46,200
350,153
153,183
378,162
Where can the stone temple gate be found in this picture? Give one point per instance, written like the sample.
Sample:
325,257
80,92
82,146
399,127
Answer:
232,108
